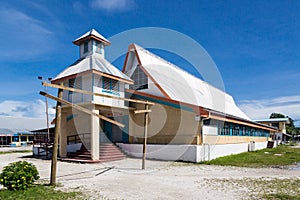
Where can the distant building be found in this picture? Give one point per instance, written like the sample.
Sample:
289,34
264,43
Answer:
280,124
191,120
16,131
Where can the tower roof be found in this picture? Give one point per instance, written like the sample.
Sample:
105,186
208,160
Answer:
94,35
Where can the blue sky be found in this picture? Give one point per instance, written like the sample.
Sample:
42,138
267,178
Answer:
255,45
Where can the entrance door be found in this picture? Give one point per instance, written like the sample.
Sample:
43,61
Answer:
114,133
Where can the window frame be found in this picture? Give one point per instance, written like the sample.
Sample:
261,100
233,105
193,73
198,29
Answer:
114,86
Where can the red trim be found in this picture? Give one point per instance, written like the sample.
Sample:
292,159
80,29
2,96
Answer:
148,74
91,71
197,109
70,76
78,42
237,121
131,46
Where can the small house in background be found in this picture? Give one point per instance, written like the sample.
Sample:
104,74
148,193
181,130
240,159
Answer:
16,131
280,124
15,137
190,121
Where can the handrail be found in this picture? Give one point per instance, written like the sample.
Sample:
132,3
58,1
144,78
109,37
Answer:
77,138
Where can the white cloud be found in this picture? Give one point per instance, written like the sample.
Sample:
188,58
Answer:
259,109
35,109
113,5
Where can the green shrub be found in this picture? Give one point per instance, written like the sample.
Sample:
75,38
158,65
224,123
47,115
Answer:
18,175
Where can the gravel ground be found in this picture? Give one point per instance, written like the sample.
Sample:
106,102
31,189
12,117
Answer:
161,180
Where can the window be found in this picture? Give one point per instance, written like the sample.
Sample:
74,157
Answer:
110,85
98,47
236,130
75,83
85,46
225,130
140,79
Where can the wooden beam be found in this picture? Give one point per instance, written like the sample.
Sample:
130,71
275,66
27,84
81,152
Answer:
96,94
141,111
82,109
113,77
56,135
145,136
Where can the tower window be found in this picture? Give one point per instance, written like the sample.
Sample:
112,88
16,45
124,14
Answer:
110,85
85,46
140,79
75,83
98,47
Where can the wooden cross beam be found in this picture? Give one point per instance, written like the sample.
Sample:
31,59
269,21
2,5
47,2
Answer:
82,109
141,111
96,94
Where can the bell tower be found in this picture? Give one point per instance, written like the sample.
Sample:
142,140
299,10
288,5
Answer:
90,43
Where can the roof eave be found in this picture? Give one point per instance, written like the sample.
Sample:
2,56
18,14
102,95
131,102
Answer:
80,40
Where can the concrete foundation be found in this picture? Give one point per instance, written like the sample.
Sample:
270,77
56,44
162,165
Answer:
189,153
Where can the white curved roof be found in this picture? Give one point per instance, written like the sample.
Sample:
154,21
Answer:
181,86
92,62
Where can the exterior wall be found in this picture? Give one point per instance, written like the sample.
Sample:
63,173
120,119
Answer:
209,152
167,125
75,123
220,139
98,88
282,127
189,153
162,152
75,97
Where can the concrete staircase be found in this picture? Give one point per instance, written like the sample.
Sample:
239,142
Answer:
108,152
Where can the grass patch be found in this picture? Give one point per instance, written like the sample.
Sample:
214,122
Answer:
280,156
262,188
40,192
281,196
16,151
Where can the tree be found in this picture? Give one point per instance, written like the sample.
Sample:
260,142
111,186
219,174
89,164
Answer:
290,128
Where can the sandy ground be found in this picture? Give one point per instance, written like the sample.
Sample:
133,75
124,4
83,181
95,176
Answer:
161,180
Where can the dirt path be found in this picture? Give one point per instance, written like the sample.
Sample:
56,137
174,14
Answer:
161,180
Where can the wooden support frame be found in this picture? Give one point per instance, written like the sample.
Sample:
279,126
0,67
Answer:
141,111
146,111
82,109
96,94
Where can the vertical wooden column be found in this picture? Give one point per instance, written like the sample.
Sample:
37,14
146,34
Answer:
55,142
145,137
63,135
95,140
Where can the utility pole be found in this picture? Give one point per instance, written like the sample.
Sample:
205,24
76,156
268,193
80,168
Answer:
47,114
55,142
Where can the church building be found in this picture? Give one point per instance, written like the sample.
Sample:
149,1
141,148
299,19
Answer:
190,120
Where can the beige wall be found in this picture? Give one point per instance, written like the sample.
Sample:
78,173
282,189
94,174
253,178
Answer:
80,124
167,125
221,139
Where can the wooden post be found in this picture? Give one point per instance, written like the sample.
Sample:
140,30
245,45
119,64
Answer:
55,142
145,136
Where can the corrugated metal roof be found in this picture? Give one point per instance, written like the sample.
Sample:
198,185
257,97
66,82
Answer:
286,119
90,33
184,87
92,62
14,131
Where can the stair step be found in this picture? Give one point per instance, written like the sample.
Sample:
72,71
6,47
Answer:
108,152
